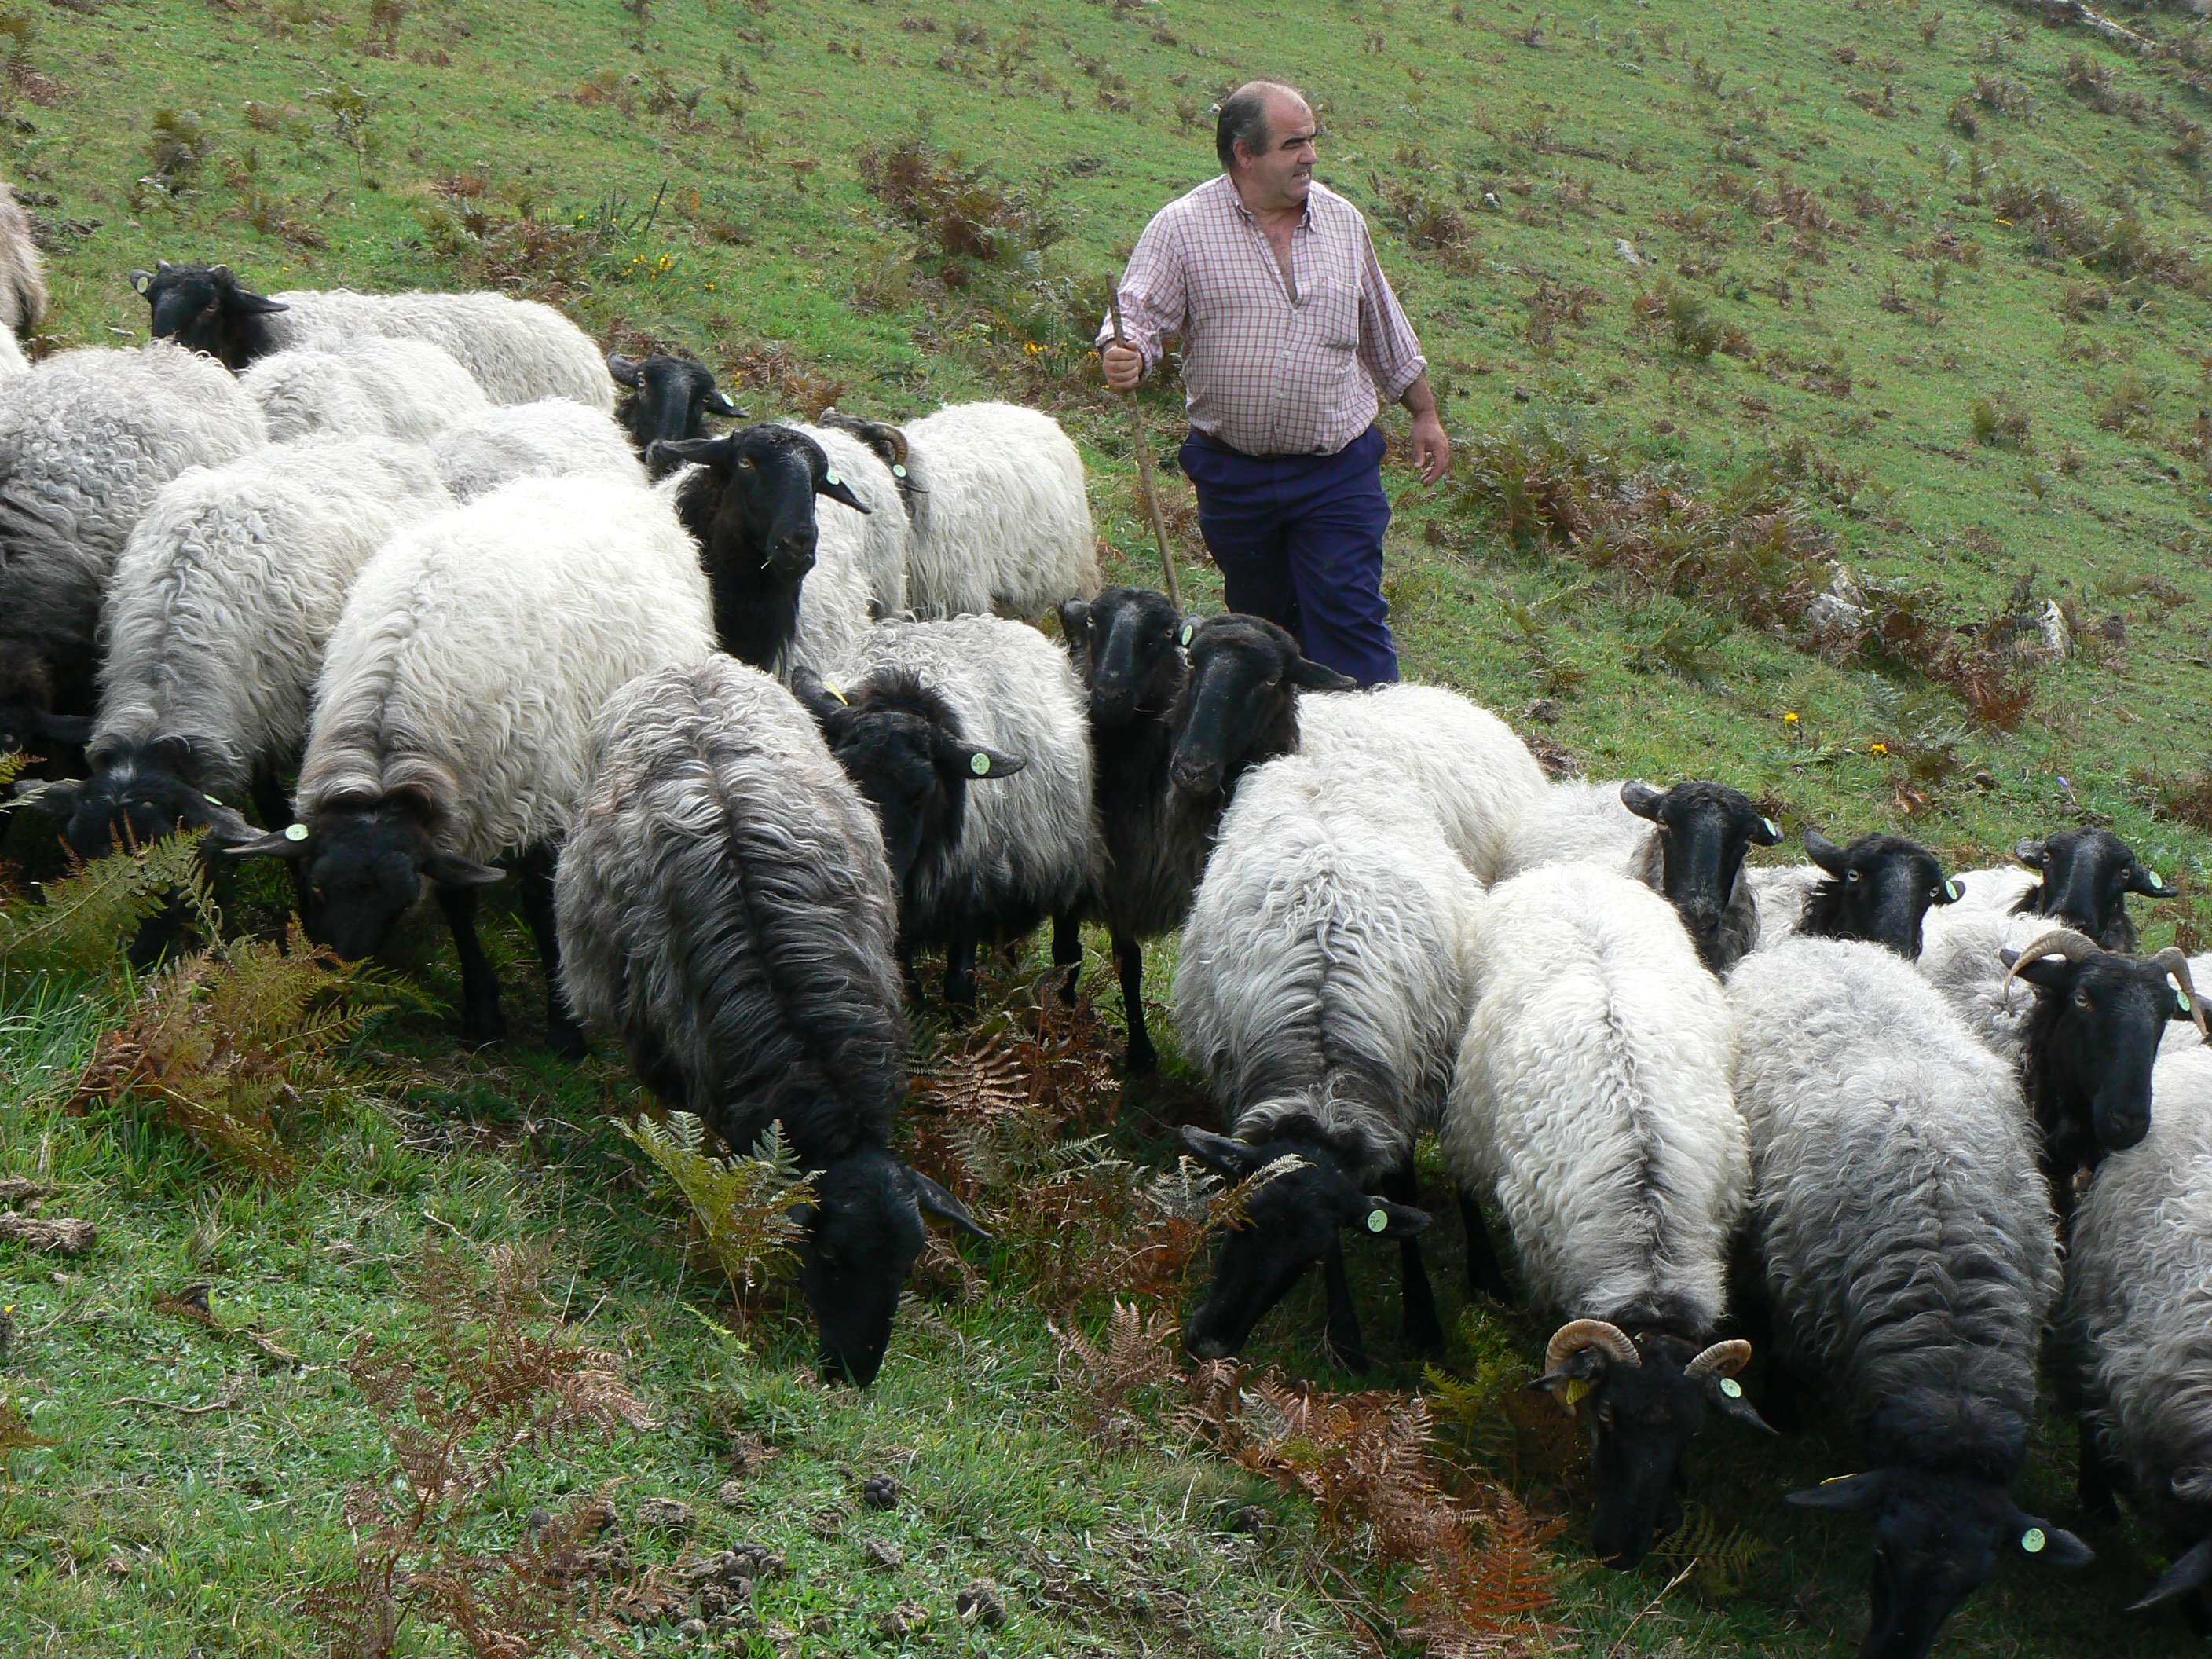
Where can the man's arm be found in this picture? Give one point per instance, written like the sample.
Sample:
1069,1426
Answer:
1392,354
1154,302
1431,449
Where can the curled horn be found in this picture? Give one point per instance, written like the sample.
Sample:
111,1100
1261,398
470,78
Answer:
1722,1359
1572,1338
2059,942
2175,963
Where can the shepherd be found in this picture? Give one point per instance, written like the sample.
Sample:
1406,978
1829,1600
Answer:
1290,331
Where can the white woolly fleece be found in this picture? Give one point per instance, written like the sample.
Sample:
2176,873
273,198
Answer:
229,589
369,387
1575,823
1467,763
1329,959
868,549
475,649
554,438
1003,523
1779,892
1959,947
519,351
1592,1098
22,271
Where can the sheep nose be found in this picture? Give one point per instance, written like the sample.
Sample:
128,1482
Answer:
1195,779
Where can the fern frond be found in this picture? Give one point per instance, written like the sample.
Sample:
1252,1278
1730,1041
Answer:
84,924
742,1204
1721,1557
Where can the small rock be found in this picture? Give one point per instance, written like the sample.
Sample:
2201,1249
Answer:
1545,711
1983,781
882,1557
666,1514
1520,394
692,1629
981,1604
903,1619
881,1492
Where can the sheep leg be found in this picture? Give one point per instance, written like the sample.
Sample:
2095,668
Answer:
960,970
482,1022
1345,1341
1142,1058
562,1035
1484,1276
274,810
1424,1332
2098,1475
1067,951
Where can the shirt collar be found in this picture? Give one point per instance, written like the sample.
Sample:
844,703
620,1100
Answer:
1237,201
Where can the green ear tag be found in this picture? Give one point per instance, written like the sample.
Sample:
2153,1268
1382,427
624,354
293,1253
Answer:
1189,628
1772,828
295,832
211,800
1577,1390
831,476
2181,999
898,472
1731,1388
1953,891
2154,880
980,766
1377,1220
2032,1540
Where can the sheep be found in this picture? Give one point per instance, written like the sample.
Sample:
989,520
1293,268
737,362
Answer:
1465,762
1235,710
1590,1098
215,626
85,441
1879,889
22,273
667,398
13,362
519,351
2135,1329
28,720
1001,522
1325,979
2086,877
725,904
1030,847
502,443
793,584
453,721
369,387
1687,843
1908,1251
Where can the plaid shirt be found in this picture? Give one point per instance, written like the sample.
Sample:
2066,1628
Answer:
1265,373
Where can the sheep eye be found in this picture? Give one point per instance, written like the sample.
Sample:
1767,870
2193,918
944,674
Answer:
744,463
2081,997
1850,875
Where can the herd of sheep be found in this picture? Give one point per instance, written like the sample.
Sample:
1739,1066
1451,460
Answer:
756,714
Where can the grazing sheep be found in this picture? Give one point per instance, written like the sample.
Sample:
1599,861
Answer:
725,905
1028,848
452,723
504,443
1909,1254
1466,762
1325,979
793,583
1001,522
2136,1328
1231,700
1688,843
1591,1100
85,441
214,627
22,271
1877,888
2086,877
519,351
367,387
666,399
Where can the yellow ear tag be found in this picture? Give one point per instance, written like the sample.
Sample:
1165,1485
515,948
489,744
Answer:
979,765
1731,1388
2032,1540
1187,630
1575,1392
831,687
211,800
1833,1479
295,832
1377,1220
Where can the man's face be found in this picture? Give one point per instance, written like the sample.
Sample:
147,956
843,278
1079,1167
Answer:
1280,175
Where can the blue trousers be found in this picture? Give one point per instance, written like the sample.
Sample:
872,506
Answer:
1298,540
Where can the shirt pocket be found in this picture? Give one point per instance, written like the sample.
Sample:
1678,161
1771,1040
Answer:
1333,313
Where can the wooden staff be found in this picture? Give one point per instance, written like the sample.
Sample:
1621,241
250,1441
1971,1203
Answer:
1144,463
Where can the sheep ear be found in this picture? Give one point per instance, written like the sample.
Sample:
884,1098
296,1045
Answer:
1641,799
2029,852
827,483
58,799
452,870
1074,618
624,369
227,826
713,454
2146,882
1853,1494
244,302
2190,1572
2034,1536
816,697
143,280
718,403
978,763
1232,1158
276,844
1766,832
1824,852
1309,675
1385,1219
2049,973
933,1200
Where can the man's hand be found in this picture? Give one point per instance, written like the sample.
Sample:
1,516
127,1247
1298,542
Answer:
1431,449
1125,367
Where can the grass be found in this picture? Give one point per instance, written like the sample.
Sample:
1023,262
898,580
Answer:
1916,294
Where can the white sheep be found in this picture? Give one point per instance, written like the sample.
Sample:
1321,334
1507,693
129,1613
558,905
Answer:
875,543
369,387
1002,521
556,438
22,271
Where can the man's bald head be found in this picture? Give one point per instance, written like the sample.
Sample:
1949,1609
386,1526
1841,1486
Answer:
1250,115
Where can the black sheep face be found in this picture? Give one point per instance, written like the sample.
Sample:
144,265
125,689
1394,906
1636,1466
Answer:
668,399
1129,643
206,308
860,1237
1937,1539
1237,706
365,869
751,508
1292,1224
2087,875
138,794
2092,1041
1879,889
1644,1413
1704,830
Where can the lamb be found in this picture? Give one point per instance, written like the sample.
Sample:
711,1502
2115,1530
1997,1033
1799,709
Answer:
1688,843
1325,979
666,399
725,904
22,273
792,584
503,443
1232,705
85,441
1001,522
1465,761
1879,889
1590,1098
1030,846
366,387
453,723
1909,1253
519,351
214,627
2136,1328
